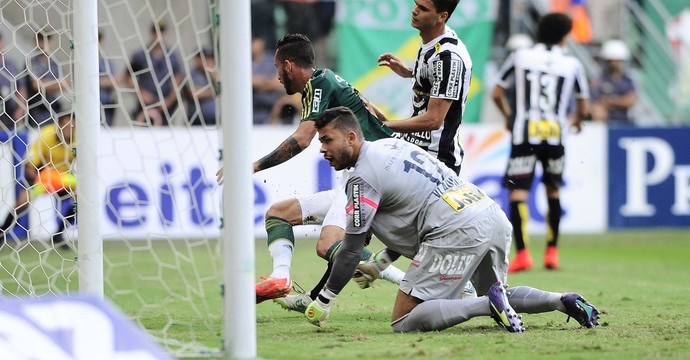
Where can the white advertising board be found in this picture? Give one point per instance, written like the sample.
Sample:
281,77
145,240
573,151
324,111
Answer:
160,183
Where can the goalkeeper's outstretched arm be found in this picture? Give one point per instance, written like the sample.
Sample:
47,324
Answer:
344,266
346,261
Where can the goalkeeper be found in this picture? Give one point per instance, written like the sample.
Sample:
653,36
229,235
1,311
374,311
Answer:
47,170
450,229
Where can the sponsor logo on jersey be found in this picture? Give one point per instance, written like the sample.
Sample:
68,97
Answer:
451,264
316,103
437,77
555,166
451,278
453,87
424,70
522,165
422,138
356,207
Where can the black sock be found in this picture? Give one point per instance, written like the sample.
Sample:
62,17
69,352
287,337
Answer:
516,218
317,289
553,221
9,220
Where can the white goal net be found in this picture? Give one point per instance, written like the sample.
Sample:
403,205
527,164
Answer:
159,150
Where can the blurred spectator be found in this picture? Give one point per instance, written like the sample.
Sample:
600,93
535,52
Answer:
107,82
155,72
613,93
200,94
47,170
302,18
577,10
266,88
12,92
44,83
286,110
313,19
264,21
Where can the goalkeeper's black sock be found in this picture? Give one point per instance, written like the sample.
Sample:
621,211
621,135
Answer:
317,289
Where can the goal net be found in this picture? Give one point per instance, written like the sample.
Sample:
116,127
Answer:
159,150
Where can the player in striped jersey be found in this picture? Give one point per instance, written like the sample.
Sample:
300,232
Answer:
441,74
545,80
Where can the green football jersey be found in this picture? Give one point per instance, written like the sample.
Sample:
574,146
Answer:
326,90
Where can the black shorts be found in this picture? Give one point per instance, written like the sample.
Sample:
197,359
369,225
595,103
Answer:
520,172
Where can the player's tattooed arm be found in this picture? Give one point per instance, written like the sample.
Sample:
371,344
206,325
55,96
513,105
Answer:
284,152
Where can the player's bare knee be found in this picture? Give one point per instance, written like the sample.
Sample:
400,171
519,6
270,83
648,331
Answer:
330,234
322,247
286,209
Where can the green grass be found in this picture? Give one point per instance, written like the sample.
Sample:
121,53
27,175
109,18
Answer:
638,279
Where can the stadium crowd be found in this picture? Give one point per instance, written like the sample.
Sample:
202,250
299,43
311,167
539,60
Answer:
162,82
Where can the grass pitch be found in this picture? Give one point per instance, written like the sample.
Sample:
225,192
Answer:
637,279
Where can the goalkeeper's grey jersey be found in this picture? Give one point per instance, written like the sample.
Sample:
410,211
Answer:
406,196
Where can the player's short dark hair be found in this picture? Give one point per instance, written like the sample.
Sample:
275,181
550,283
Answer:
446,5
553,27
296,48
342,118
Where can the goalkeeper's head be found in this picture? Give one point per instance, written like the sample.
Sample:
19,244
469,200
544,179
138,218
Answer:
341,137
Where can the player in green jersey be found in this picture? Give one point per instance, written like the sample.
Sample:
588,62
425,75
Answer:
321,89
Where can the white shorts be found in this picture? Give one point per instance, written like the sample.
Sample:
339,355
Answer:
325,208
442,267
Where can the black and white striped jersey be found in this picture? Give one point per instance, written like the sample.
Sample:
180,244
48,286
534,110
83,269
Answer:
545,80
443,69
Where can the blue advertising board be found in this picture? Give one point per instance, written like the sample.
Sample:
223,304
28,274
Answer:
78,327
649,177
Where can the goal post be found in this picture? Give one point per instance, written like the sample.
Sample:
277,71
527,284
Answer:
238,234
88,114
148,234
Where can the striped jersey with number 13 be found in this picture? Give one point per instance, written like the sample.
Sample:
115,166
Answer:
545,80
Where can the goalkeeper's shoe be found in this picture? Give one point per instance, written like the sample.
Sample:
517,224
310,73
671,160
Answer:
580,309
297,302
501,311
521,262
272,288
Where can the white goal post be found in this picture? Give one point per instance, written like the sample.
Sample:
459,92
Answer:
139,77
